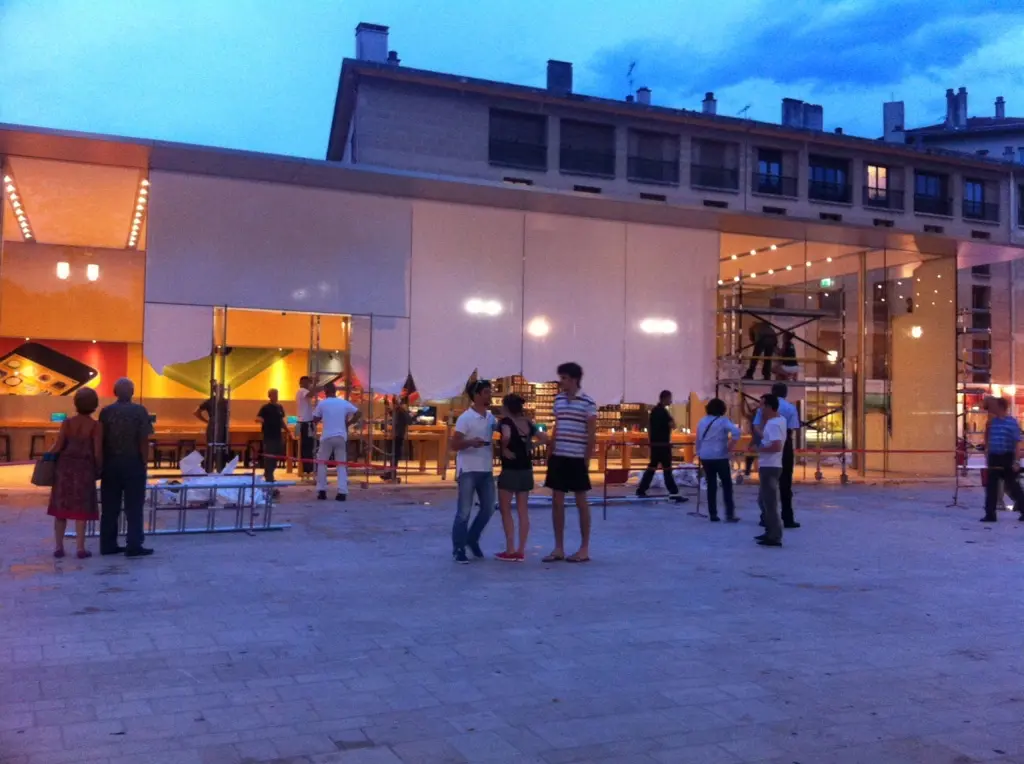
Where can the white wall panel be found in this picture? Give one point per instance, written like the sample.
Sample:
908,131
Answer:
217,241
177,334
574,281
462,253
389,359
671,275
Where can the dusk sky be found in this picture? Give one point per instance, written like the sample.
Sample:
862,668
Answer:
262,74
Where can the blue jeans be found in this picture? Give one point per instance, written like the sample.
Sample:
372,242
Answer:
481,485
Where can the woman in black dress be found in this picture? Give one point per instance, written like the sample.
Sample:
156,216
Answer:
516,478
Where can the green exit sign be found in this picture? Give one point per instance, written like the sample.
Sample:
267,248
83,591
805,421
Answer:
827,283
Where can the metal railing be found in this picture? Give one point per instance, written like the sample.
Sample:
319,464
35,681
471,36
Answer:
529,156
828,191
973,210
711,176
587,161
777,185
933,205
653,170
883,198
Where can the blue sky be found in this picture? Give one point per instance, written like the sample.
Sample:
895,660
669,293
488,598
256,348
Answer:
262,74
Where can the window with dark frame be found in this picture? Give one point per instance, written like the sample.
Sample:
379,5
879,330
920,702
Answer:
768,179
587,148
974,200
878,182
653,157
715,165
931,193
829,179
518,140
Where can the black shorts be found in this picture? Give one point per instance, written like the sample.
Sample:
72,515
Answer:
568,474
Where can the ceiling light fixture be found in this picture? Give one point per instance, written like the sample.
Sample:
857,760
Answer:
140,210
773,247
538,327
478,307
18,205
63,270
92,272
658,326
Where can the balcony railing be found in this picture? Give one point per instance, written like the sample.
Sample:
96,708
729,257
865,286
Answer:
529,156
933,205
665,171
587,162
883,198
827,191
988,211
769,183
711,176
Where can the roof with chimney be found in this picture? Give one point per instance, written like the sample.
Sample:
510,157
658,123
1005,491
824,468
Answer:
808,125
974,125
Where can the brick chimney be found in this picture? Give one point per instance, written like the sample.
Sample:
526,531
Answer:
950,108
961,109
560,77
372,42
643,95
709,105
1000,108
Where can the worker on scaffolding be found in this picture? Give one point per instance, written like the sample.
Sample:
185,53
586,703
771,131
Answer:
764,340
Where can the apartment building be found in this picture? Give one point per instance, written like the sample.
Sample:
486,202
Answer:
391,116
987,295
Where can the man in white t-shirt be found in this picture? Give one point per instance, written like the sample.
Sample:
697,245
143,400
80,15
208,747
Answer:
769,462
473,442
335,415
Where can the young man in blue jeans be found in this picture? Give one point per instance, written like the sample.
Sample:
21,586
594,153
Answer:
473,443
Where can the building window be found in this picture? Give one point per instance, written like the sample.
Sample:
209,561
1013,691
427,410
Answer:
653,157
975,206
981,270
1020,154
981,360
930,194
518,140
587,149
878,190
829,179
715,165
768,179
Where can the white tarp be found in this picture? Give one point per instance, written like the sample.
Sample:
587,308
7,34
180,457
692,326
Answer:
176,334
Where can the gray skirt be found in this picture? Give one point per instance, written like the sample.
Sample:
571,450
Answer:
515,480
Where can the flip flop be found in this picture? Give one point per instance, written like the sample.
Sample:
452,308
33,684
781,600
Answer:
554,558
575,558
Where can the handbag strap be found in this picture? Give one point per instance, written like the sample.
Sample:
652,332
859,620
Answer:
708,428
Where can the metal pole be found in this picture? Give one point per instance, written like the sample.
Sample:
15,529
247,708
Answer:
368,451
860,441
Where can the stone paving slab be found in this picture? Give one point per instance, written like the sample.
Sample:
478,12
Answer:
886,631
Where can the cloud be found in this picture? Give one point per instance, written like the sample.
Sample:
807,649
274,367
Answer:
853,42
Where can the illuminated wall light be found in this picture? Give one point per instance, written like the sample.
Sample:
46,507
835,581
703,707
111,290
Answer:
479,307
538,327
658,326
63,270
92,272
916,332
833,356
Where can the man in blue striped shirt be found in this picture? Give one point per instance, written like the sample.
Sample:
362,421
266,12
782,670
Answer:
1003,446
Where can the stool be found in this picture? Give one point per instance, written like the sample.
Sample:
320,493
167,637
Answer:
185,447
5,447
253,451
38,446
168,451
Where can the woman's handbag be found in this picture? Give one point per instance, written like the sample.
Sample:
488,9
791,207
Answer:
45,471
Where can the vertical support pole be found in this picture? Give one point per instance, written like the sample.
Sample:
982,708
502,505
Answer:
860,380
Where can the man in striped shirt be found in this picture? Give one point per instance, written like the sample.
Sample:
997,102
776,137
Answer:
568,464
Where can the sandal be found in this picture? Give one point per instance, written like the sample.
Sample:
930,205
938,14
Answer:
554,557
58,553
577,558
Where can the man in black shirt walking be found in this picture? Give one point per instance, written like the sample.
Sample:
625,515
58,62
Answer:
660,432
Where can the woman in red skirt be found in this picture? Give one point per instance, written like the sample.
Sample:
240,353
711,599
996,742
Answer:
79,450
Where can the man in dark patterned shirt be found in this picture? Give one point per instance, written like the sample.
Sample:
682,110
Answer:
126,431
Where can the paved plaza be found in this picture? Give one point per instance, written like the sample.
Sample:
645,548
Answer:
887,630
